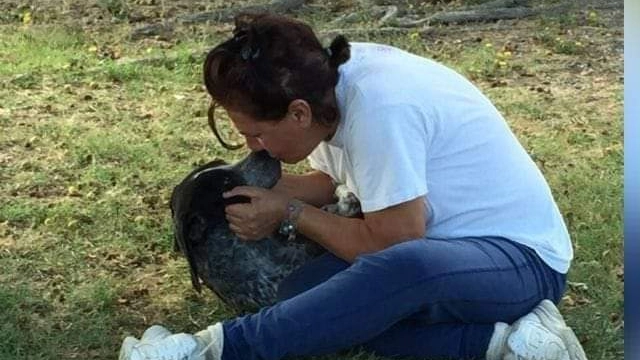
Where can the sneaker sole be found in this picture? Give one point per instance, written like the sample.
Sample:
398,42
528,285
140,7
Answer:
550,317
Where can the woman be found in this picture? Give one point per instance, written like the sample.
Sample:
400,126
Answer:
462,251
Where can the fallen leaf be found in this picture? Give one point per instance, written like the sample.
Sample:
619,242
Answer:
577,285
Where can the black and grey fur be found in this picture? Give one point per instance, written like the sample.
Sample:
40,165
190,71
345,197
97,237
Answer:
243,274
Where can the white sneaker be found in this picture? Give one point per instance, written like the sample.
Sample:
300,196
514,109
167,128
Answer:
540,335
155,332
157,343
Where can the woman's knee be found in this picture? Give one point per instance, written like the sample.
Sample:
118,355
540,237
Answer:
309,275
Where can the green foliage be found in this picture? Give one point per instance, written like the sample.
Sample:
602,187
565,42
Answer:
22,315
559,43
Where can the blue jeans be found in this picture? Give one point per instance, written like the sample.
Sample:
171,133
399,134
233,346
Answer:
424,298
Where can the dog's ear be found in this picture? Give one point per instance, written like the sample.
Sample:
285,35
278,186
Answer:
195,231
176,245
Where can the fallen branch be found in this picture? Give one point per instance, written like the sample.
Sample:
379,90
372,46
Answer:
493,14
162,30
426,31
389,15
489,12
495,4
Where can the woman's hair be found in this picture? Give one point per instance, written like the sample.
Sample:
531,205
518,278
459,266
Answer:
270,61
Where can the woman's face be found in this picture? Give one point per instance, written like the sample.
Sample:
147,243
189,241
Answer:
287,140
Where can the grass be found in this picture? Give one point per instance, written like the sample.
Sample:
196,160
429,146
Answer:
90,147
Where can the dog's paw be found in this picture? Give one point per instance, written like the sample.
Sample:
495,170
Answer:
347,203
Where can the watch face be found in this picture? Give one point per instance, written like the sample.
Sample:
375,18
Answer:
286,228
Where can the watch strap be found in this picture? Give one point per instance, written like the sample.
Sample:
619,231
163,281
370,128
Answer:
289,225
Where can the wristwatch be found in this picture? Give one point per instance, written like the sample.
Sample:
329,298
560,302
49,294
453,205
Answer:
289,225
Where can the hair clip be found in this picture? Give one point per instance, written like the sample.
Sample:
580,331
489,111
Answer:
248,54
246,51
328,51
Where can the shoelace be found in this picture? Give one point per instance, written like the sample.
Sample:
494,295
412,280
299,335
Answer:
205,349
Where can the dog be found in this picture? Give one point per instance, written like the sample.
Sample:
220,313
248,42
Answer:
243,274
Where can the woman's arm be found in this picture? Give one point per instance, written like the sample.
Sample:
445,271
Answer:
315,188
345,237
348,237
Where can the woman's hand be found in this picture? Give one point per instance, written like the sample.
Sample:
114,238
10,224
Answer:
259,218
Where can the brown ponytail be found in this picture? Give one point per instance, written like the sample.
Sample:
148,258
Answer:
339,51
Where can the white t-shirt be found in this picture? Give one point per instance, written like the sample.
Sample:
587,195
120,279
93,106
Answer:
410,127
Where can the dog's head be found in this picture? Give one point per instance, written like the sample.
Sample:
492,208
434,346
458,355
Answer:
197,204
